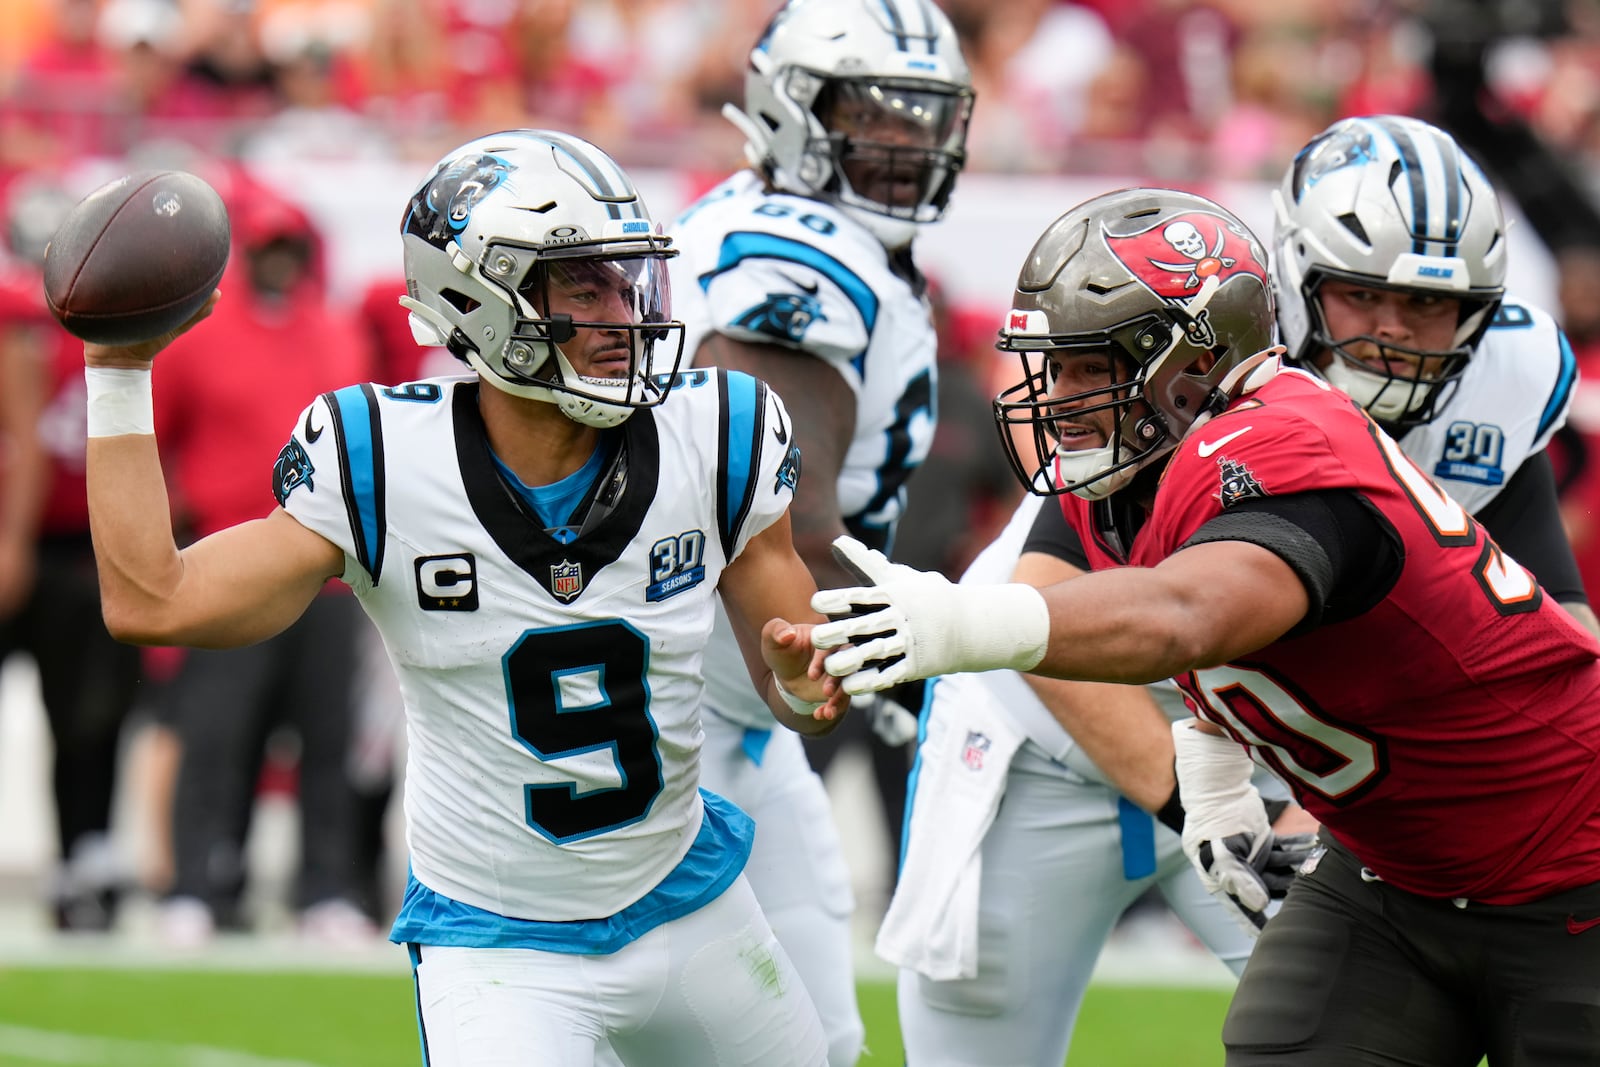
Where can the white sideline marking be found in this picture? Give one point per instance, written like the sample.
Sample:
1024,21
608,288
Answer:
53,1046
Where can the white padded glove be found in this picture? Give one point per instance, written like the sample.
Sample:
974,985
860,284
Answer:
1226,834
902,624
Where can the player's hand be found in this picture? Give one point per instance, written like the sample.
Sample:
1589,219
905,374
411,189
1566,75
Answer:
1227,870
796,664
1226,834
139,356
902,624
1285,857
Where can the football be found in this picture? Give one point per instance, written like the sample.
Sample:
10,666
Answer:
137,257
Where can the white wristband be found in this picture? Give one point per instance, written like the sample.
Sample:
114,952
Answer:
1214,780
120,401
800,707
1004,627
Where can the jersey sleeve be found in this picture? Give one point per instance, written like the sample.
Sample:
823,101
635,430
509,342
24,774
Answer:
330,476
773,288
1533,346
1251,453
759,462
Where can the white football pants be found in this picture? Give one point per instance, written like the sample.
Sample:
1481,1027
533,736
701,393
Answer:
797,868
712,987
1051,891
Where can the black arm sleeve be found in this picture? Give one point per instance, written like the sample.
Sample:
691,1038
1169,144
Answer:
1525,521
1052,536
1346,554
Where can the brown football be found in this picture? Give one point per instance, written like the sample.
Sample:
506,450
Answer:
137,257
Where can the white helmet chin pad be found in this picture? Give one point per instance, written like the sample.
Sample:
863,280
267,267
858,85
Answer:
1386,399
602,402
1083,471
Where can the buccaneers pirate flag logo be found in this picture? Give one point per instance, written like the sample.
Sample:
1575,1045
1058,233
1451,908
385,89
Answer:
1179,254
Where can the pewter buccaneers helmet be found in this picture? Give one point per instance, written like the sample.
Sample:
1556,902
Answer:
1172,285
894,62
1394,203
500,221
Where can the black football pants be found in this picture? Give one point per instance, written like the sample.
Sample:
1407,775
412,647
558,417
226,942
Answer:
1354,972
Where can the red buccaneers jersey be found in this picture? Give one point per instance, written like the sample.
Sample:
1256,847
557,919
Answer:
1449,736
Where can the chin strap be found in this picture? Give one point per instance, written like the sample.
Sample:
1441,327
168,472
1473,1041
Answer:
1251,374
428,327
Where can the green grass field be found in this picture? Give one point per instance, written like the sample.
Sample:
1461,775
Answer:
169,1018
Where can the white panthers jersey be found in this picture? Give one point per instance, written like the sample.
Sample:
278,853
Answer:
1512,397
771,268
552,690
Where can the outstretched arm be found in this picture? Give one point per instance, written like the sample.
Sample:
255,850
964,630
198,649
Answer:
236,587
1200,607
1119,727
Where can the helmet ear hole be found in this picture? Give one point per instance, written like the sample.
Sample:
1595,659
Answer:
459,300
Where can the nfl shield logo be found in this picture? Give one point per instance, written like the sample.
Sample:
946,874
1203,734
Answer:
972,754
566,580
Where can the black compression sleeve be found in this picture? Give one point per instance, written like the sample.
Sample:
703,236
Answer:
1525,521
1052,536
1346,555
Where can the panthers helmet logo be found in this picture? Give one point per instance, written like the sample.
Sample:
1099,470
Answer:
440,209
783,316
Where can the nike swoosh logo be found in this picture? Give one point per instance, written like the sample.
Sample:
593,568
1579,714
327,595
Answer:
780,431
809,290
1207,448
310,434
1577,926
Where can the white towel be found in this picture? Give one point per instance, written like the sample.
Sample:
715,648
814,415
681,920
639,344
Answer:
932,923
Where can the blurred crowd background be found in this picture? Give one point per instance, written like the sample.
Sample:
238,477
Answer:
266,97
1183,89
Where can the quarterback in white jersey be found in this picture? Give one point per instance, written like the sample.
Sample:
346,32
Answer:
539,544
571,812
799,271
983,880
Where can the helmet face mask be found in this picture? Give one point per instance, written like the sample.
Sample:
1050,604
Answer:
1105,398
1393,205
530,255
1400,385
1131,333
864,104
895,147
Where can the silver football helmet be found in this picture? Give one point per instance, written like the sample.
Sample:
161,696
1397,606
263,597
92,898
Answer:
862,103
1172,290
1391,203
508,227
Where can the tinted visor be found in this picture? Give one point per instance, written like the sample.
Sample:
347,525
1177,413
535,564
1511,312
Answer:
595,291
